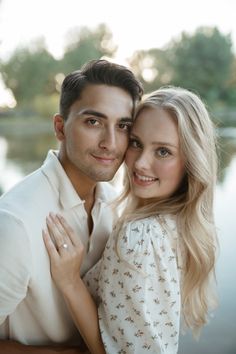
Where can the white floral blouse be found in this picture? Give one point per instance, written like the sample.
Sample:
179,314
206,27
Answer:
138,292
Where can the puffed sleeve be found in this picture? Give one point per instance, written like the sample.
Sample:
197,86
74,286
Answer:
15,263
149,304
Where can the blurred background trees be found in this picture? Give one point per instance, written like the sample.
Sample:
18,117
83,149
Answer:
34,76
203,62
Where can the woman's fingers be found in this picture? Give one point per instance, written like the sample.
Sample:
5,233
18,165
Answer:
63,234
52,251
65,257
58,233
69,231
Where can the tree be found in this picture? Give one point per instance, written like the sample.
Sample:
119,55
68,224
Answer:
152,67
202,62
84,45
30,72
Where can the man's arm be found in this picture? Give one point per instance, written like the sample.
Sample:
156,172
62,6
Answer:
15,268
13,347
15,263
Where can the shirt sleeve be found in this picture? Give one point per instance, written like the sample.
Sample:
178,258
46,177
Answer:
15,263
149,304
91,280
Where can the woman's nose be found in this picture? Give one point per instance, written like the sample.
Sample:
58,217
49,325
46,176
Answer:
143,161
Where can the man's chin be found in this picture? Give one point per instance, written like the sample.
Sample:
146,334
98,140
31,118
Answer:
105,177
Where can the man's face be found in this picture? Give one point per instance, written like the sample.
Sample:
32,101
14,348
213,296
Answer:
94,138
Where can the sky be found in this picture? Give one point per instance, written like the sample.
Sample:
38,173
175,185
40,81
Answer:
135,24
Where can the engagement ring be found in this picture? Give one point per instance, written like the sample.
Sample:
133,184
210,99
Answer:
64,245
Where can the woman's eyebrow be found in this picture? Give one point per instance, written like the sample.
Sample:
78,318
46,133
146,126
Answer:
165,143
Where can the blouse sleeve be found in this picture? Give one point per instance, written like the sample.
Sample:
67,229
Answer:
91,280
150,306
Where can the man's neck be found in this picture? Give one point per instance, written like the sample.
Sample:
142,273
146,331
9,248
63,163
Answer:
85,190
84,187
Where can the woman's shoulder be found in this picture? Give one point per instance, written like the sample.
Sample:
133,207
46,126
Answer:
140,233
153,223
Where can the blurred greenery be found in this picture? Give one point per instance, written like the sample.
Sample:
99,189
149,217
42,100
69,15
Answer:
34,76
203,62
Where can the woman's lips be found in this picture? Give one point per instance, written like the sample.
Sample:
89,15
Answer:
143,180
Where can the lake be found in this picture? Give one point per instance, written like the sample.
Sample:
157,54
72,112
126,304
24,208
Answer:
23,149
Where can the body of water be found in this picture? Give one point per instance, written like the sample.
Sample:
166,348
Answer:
21,153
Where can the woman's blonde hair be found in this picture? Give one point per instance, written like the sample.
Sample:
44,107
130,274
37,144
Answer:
192,203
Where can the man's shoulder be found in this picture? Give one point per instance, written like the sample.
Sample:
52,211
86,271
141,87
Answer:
25,190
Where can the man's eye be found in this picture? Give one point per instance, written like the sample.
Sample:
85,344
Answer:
125,126
134,143
92,122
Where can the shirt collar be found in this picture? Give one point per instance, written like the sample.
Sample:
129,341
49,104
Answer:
62,185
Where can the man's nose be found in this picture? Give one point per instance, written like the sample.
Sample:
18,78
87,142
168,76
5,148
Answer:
108,139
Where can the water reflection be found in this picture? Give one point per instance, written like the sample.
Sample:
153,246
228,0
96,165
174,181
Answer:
21,154
226,150
218,336
29,152
10,173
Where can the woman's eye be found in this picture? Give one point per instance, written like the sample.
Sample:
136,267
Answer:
163,152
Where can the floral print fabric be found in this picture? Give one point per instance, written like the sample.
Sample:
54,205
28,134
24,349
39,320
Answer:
137,286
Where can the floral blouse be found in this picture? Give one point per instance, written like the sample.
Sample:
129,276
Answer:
137,286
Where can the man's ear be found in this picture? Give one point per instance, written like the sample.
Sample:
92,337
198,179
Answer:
59,126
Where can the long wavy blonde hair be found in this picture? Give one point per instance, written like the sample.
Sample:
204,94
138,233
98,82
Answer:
192,203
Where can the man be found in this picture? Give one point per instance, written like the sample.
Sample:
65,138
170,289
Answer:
96,109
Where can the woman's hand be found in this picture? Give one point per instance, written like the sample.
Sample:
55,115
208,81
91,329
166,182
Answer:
66,256
66,252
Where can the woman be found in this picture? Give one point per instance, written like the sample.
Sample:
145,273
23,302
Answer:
157,266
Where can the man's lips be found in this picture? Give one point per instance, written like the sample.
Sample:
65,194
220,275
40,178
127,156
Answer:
104,159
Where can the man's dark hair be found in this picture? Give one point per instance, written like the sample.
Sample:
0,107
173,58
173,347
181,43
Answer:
101,72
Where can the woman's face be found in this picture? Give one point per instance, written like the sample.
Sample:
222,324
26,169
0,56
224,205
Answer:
154,160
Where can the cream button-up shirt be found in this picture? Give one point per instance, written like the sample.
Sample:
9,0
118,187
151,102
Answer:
32,311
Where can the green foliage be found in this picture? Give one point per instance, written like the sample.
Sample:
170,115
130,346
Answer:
46,106
202,62
32,72
84,45
29,72
152,67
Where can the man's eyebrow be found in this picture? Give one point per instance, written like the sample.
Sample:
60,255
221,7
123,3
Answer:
91,112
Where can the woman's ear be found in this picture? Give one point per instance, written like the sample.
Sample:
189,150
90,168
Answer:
58,121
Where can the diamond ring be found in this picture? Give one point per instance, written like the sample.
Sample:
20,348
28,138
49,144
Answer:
64,245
